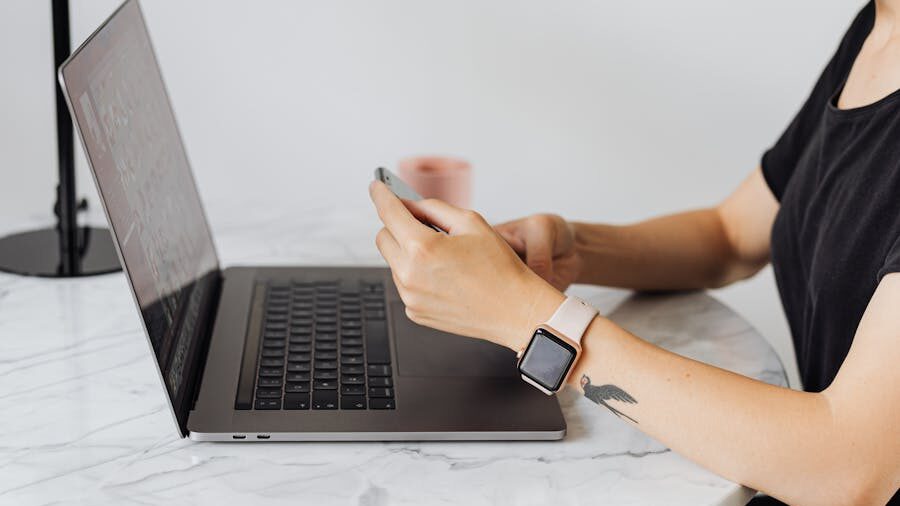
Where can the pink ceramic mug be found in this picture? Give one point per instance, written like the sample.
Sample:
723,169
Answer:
438,177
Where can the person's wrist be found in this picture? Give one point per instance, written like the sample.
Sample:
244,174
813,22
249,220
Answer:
535,303
599,340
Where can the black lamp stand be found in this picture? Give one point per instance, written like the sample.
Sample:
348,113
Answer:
66,250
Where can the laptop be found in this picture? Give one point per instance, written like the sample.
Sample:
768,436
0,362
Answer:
268,353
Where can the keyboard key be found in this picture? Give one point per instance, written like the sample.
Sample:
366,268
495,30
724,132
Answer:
352,351
351,341
297,377
326,320
295,388
275,334
276,317
371,287
326,346
325,385
381,392
302,324
325,375
299,367
273,343
325,399
353,402
272,362
381,382
377,349
353,390
323,337
271,372
379,403
351,333
268,403
299,348
351,324
276,326
301,330
326,355
296,401
353,369
329,328
299,357
375,315
379,370
269,383
268,393
326,364
307,339
272,352
353,380
351,360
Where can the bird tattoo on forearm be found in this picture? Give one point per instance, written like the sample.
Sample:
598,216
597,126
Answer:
599,395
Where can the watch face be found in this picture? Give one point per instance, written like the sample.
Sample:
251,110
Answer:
547,359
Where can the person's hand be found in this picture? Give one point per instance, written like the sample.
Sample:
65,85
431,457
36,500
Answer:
547,243
466,282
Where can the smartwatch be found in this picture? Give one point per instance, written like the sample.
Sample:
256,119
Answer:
555,346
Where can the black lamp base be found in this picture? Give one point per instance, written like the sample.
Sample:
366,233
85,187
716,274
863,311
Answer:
37,253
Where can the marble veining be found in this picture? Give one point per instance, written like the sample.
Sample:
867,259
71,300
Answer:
85,419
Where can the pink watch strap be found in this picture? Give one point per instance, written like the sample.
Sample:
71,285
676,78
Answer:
572,318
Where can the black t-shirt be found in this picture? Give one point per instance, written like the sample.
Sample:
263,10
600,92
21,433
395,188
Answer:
837,176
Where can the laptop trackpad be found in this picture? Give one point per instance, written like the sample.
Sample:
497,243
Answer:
422,351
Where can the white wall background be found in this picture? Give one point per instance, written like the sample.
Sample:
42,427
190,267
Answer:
596,110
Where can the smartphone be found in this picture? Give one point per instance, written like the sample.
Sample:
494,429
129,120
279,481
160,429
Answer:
401,190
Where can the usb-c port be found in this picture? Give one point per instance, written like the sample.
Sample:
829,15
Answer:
263,436
238,436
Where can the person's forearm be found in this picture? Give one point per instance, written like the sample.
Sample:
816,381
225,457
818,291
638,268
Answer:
784,442
678,252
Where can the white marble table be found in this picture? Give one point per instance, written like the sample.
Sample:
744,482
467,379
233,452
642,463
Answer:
84,419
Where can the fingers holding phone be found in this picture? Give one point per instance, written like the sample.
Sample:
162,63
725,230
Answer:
546,243
467,281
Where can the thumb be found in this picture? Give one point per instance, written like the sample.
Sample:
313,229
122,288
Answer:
539,250
437,212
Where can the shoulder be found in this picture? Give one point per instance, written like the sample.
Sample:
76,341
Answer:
855,35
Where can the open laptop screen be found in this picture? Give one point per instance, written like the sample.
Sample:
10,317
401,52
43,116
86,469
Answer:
123,114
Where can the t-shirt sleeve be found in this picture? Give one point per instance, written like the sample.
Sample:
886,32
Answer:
779,161
891,261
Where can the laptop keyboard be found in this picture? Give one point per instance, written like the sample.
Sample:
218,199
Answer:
323,346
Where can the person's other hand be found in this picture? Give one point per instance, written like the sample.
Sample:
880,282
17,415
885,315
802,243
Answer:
547,243
468,281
